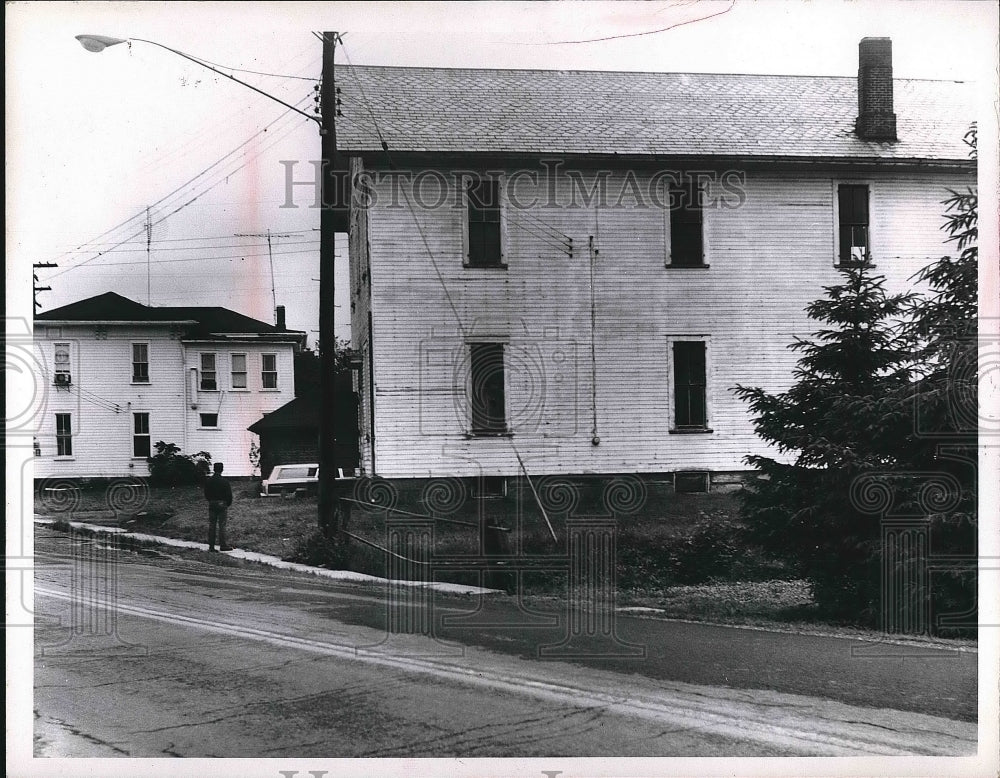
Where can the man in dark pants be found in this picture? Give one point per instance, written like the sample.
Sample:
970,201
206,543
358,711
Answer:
219,494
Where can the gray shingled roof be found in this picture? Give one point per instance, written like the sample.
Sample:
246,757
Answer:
670,114
208,320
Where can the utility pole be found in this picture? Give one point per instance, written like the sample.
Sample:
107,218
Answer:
333,218
37,288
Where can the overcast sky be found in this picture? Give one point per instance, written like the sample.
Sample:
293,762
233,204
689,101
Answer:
95,139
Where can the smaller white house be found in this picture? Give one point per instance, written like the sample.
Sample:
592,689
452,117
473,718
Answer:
118,376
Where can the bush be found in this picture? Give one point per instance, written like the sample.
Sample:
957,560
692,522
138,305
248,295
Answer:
169,467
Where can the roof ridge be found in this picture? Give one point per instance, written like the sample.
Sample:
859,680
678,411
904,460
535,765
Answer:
637,72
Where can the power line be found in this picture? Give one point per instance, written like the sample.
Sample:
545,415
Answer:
204,248
179,208
186,184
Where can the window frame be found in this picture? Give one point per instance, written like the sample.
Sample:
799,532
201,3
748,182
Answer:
57,370
214,371
203,426
701,187
264,373
501,183
135,362
233,372
64,436
137,434
672,389
836,186
472,414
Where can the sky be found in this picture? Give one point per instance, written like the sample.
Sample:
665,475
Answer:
94,140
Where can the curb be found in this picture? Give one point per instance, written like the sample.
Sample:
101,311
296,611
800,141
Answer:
270,561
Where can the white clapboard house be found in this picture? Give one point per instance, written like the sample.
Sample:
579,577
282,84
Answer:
118,376
566,272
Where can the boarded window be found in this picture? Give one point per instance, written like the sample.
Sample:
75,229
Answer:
852,202
689,385
486,388
140,435
140,363
269,371
208,379
64,435
686,247
484,224
239,370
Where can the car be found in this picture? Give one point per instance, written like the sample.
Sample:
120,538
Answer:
291,478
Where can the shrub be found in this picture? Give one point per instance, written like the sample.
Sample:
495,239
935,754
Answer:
169,467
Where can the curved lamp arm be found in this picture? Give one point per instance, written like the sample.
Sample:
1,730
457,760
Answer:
98,43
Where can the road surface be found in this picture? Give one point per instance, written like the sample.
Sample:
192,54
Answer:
186,654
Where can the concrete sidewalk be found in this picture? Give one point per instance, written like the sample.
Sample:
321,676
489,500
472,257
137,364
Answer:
265,559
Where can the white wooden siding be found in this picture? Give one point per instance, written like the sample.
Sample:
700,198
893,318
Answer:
768,259
102,399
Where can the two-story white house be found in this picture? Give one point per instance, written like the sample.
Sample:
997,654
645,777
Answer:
118,376
568,272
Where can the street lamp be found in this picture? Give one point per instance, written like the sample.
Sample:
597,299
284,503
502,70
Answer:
98,43
333,218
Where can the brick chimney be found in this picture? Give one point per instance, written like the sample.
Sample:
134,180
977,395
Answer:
875,121
279,316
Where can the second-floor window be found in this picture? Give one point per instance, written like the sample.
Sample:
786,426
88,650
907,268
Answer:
64,435
269,371
239,371
852,209
208,380
484,249
486,389
686,243
140,435
140,363
61,363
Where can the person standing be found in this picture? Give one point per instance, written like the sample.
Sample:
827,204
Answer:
219,494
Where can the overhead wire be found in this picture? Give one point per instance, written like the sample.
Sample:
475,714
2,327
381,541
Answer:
183,205
186,184
409,204
186,146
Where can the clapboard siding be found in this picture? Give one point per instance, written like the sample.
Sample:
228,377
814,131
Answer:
768,259
103,398
360,280
237,409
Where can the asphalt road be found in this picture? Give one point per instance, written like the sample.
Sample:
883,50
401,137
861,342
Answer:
195,655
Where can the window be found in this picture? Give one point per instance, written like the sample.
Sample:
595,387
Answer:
140,363
269,371
208,382
64,435
209,419
689,385
239,371
486,389
483,199
686,248
852,209
61,360
489,486
140,435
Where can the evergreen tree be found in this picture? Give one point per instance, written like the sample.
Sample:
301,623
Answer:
841,419
943,444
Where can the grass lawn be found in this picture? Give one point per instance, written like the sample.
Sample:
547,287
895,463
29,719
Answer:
678,560
657,553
